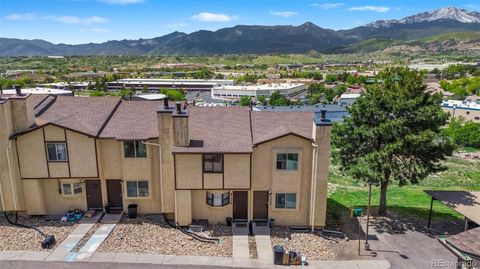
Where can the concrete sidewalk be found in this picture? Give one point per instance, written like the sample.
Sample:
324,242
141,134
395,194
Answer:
32,259
63,250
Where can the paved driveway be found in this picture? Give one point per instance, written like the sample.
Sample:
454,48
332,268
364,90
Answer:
408,244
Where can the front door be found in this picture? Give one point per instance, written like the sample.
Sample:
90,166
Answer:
114,193
240,205
94,194
260,205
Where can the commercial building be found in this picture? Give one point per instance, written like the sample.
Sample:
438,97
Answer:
254,91
468,109
191,163
39,90
347,99
157,84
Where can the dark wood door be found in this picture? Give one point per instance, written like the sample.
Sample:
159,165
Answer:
260,205
114,193
240,205
94,194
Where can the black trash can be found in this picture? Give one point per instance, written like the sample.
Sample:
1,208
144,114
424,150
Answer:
278,255
132,211
229,221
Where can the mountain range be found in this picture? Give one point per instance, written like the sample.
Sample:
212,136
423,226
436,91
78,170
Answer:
424,29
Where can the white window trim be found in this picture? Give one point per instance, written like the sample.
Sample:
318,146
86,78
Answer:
286,208
137,197
287,152
135,143
56,151
72,189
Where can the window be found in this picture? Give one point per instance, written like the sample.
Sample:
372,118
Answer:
135,149
137,188
477,118
57,151
70,189
286,200
287,161
218,199
213,163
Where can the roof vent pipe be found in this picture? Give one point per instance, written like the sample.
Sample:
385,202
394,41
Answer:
18,90
179,107
165,103
323,114
1,90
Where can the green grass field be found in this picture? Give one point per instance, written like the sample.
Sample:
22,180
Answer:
410,201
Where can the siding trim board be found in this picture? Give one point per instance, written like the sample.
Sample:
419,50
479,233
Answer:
278,137
68,152
46,154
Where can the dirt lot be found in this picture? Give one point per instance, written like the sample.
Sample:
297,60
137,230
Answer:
17,238
144,235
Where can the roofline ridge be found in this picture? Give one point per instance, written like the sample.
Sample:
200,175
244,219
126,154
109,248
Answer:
108,118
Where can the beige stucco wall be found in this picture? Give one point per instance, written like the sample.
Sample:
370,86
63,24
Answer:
165,140
188,171
267,178
81,153
58,204
183,205
31,154
54,133
322,136
35,202
213,180
200,209
110,155
58,169
237,171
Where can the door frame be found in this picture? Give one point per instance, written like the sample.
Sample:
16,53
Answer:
99,193
245,204
267,194
121,192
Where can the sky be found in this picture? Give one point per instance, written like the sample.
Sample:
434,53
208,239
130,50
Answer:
84,21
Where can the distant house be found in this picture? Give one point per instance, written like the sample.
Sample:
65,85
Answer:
468,109
187,162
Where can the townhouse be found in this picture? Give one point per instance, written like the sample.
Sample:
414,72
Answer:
211,163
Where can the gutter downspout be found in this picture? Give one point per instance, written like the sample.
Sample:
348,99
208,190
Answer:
161,174
314,184
11,177
1,196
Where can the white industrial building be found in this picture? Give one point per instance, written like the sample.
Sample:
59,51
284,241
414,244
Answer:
157,84
348,98
39,90
254,91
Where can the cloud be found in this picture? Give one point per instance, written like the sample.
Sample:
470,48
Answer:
213,17
176,25
327,5
122,2
57,18
95,30
285,14
22,17
76,20
371,8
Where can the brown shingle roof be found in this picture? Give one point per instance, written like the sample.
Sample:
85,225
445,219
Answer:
466,203
270,125
133,120
218,129
83,114
467,242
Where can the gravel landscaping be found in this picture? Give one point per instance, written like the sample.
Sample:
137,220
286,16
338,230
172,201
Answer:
313,246
142,235
252,247
17,238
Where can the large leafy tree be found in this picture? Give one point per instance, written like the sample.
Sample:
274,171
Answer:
394,133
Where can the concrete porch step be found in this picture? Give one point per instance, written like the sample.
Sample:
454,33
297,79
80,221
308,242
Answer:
112,218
